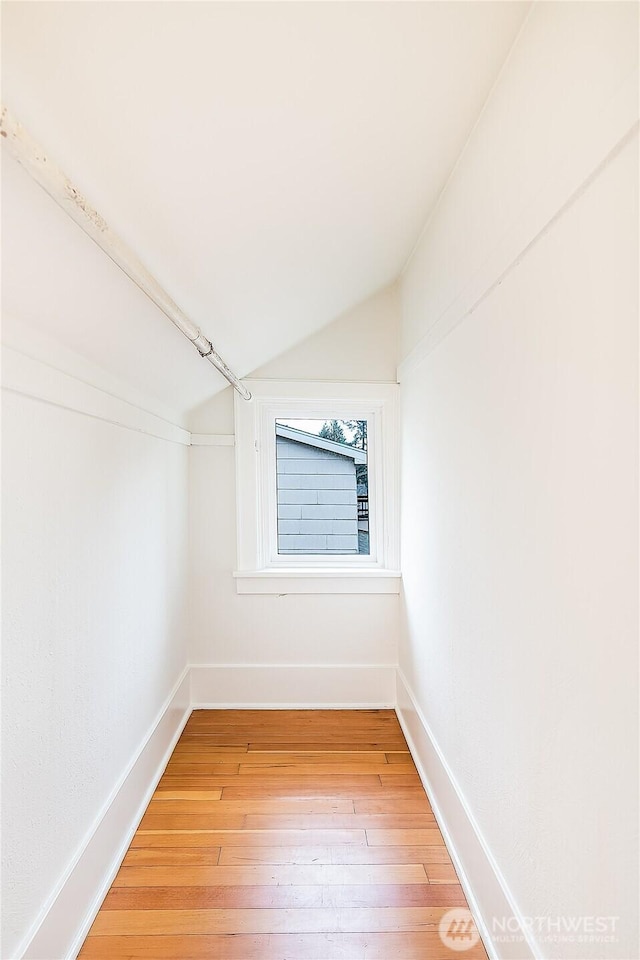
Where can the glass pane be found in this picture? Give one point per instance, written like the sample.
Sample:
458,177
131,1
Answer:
322,487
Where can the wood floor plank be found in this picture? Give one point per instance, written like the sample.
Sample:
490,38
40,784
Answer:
218,820
182,840
342,820
186,795
346,853
290,742
303,920
210,897
283,835
285,896
399,778
441,873
393,895
399,746
195,781
290,726
221,819
192,837
313,787
295,740
283,720
290,758
339,785
185,745
408,945
270,874
283,767
297,733
411,803
172,856
397,838
279,807
231,744
204,769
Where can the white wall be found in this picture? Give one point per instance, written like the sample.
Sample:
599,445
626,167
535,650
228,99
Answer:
273,631
94,628
361,344
519,492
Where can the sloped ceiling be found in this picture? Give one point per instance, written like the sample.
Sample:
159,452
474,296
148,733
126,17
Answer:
271,163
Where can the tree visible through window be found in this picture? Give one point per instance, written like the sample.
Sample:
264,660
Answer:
322,487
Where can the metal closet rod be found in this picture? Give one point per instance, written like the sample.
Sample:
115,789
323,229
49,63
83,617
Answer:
51,178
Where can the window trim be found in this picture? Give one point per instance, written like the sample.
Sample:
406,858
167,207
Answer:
260,568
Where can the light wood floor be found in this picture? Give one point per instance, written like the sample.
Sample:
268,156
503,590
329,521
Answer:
284,835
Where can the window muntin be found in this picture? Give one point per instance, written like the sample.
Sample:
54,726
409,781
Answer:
322,488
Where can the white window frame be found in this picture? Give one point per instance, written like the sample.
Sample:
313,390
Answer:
261,569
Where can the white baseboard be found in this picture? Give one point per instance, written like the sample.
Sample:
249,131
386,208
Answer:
65,919
292,686
484,886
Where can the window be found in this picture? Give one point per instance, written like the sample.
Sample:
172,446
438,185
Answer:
317,488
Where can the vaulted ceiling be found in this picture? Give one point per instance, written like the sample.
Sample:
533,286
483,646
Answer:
271,163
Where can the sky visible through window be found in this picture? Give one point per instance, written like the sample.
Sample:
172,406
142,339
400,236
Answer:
315,426
322,487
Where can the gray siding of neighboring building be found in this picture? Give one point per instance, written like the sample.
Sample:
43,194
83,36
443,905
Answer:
317,502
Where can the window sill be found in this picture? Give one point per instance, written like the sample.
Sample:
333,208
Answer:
307,581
